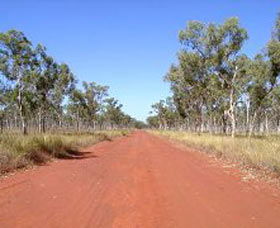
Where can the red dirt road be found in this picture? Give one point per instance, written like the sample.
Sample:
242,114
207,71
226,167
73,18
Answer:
136,181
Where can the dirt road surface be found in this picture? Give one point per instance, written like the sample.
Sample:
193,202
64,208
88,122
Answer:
136,181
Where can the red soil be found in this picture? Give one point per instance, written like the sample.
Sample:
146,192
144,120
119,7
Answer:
136,181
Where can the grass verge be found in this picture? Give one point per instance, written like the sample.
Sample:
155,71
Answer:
258,152
18,151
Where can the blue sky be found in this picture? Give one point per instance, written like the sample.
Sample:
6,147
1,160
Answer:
128,45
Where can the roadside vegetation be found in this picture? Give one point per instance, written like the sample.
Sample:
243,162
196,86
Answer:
223,100
255,152
44,112
217,88
18,151
39,94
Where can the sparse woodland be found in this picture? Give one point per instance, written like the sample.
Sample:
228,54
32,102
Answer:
217,88
39,94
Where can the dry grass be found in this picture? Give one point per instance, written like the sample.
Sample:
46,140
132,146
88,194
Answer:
18,151
256,152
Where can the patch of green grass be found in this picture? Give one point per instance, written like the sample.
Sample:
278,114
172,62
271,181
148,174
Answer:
255,151
18,151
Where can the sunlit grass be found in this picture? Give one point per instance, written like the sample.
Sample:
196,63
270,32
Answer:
255,151
17,151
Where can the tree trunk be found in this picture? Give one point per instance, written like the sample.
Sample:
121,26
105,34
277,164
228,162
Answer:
224,119
231,110
266,123
1,125
22,114
23,124
43,124
77,123
40,121
20,104
251,124
247,117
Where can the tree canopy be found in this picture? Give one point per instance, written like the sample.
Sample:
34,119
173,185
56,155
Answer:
40,94
216,87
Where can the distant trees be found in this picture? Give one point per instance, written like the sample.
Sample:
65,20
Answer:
217,88
85,105
165,115
38,94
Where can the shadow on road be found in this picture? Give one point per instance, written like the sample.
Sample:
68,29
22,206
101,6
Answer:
75,154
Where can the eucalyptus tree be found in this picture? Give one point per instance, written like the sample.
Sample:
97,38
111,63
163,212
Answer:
257,90
262,90
77,107
189,86
44,80
86,104
153,121
264,84
17,63
160,110
113,112
43,93
273,50
167,116
210,66
3,103
64,85
273,54
94,95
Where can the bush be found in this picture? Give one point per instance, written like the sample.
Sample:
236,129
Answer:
18,151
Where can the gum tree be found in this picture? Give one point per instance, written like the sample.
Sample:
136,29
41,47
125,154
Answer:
210,66
17,62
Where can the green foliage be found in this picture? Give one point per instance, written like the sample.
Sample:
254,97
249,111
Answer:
38,92
217,88
165,114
